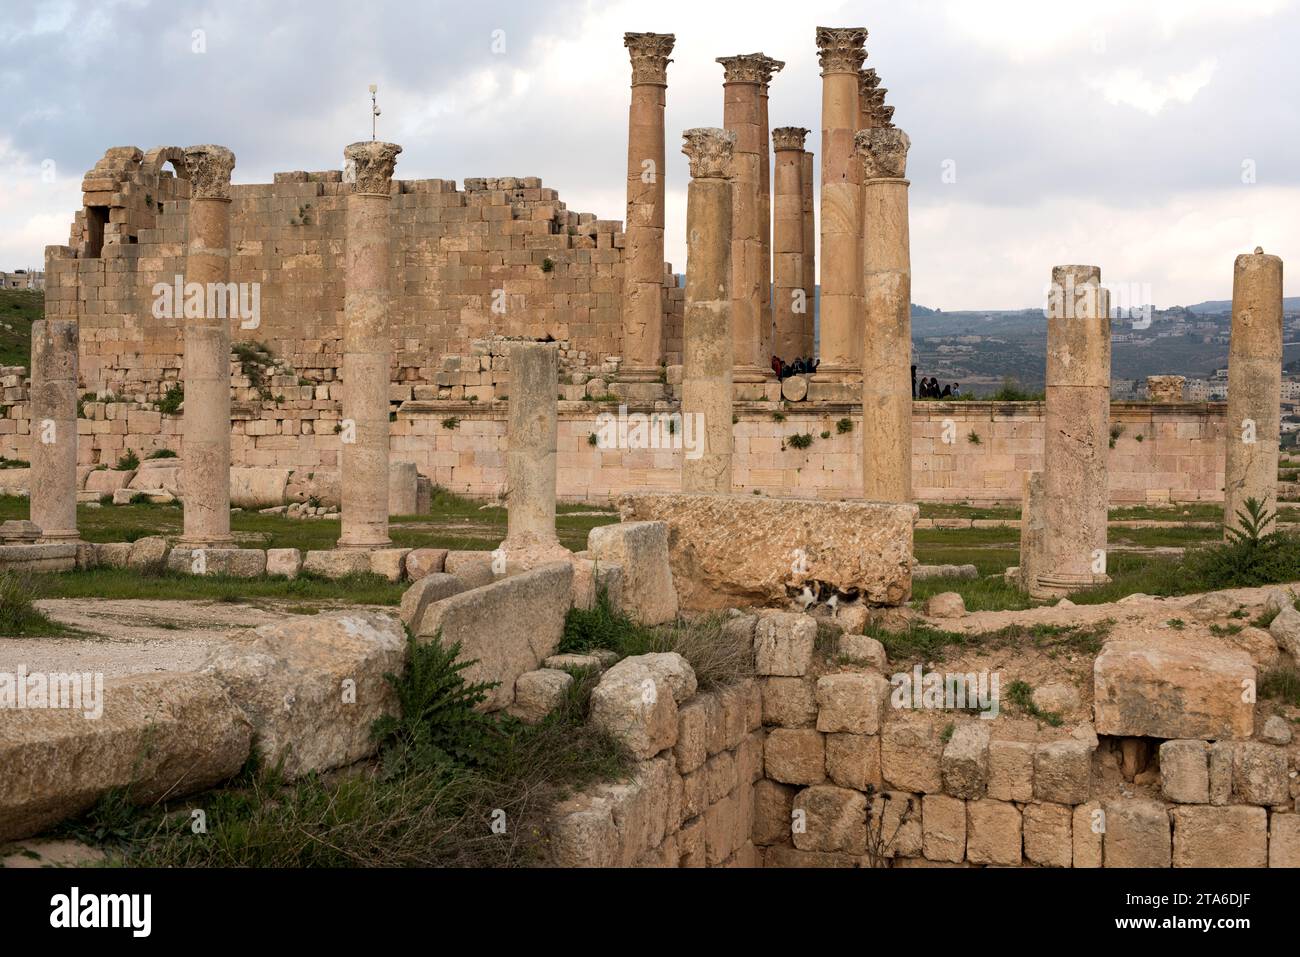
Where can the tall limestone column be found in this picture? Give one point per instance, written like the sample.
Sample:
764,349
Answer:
767,325
1076,434
363,466
887,297
790,303
205,423
808,347
643,277
532,435
707,345
53,502
742,115
1254,385
840,50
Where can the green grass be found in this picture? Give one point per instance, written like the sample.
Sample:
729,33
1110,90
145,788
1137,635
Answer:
123,583
452,788
717,658
990,593
921,642
19,308
454,523
19,618
1281,684
1021,695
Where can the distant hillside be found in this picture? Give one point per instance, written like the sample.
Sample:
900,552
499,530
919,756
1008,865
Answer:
1219,306
19,308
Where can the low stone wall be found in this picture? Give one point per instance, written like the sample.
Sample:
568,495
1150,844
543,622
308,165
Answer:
961,451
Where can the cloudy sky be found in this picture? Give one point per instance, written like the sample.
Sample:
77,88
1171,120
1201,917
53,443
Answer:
1155,139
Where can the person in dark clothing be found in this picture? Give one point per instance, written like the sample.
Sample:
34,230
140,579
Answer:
776,366
947,392
913,382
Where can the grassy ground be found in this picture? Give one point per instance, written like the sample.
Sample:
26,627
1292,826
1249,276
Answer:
19,308
454,522
122,583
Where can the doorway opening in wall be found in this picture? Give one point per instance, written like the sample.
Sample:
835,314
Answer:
96,220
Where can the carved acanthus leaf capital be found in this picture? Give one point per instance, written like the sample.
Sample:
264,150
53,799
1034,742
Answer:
369,166
868,80
709,151
209,170
883,152
649,52
788,138
841,49
884,118
748,68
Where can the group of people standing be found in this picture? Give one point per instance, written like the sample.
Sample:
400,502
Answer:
800,366
930,388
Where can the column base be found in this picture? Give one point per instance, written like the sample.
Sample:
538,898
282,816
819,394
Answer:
1060,585
60,537
367,545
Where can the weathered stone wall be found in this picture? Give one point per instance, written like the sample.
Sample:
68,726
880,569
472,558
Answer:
502,256
1178,457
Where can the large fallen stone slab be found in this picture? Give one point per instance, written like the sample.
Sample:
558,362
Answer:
506,627
729,550
640,549
312,686
156,735
1169,687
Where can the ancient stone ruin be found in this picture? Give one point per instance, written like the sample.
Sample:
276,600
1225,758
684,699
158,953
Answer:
342,343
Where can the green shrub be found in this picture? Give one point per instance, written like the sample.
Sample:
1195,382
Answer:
170,403
128,462
801,441
162,454
1250,556
844,426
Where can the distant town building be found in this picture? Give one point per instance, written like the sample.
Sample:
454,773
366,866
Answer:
22,279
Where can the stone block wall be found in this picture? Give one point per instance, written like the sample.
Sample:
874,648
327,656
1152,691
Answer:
503,256
1161,453
689,805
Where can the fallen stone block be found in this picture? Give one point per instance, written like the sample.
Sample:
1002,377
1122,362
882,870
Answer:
147,554
51,557
640,549
738,550
424,561
255,487
506,628
312,686
635,704
1165,687
389,563
424,592
158,735
538,693
474,569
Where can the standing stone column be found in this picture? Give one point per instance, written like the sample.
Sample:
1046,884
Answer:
1076,433
887,297
1254,386
790,300
205,422
53,502
767,323
363,466
532,433
707,345
809,344
840,51
643,276
742,115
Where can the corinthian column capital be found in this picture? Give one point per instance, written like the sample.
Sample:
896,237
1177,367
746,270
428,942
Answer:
841,49
369,166
209,168
649,52
788,138
709,151
754,68
883,152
